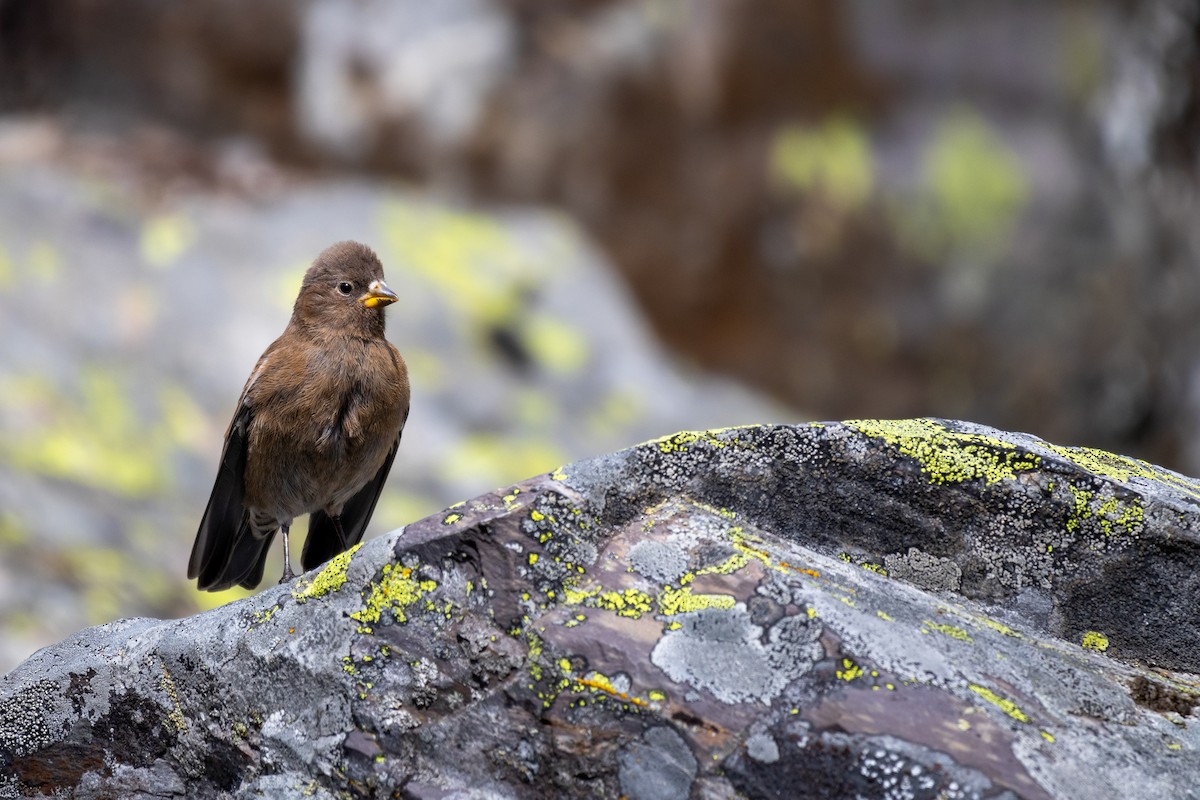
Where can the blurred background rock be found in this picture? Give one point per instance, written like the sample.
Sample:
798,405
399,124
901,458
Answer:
607,219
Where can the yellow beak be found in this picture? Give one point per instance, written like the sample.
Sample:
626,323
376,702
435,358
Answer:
378,294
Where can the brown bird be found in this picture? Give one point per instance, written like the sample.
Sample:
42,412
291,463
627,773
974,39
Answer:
315,431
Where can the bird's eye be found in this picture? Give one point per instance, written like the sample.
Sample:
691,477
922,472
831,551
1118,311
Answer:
345,287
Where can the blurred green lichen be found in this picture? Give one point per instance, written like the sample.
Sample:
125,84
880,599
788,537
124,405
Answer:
12,532
93,435
471,258
165,238
485,273
209,600
490,459
972,188
398,507
43,262
1083,54
555,344
832,160
6,270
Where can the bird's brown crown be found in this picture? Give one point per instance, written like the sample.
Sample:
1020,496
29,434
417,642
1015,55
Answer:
343,293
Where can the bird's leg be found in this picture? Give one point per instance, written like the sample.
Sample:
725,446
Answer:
287,557
337,528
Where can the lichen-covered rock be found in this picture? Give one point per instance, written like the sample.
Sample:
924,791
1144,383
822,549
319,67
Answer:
912,609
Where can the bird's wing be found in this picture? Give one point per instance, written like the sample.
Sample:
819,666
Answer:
323,542
225,515
228,550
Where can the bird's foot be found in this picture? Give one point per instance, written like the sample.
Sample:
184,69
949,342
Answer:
287,556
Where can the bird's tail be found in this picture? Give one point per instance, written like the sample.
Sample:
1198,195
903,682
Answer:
245,554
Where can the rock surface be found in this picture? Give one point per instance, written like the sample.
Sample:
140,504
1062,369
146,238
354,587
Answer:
911,609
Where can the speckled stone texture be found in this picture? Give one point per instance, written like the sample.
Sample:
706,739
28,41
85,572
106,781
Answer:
907,609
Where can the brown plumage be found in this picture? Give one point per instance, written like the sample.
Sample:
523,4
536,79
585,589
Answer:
315,430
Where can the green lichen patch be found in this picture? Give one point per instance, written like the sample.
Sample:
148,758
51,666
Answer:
947,456
672,601
1122,468
331,578
1095,640
263,615
953,631
397,589
678,442
1002,703
630,603
1112,515
176,716
848,670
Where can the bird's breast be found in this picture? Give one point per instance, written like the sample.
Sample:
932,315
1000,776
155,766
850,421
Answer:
323,437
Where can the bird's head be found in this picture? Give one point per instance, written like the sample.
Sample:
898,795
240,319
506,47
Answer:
343,292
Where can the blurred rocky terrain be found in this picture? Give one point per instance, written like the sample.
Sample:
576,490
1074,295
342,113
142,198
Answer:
860,208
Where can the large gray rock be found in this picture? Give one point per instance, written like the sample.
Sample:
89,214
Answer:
912,609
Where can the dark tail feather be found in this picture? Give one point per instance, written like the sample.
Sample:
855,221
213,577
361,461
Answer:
254,576
244,565
226,550
323,542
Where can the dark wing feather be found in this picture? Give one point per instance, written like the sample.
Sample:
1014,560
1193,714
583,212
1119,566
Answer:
226,507
244,567
323,542
226,550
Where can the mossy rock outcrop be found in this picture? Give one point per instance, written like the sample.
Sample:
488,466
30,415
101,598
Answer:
918,609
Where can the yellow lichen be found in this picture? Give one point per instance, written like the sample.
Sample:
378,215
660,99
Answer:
948,456
329,579
672,601
999,626
949,630
1122,468
630,603
395,591
1113,516
1095,640
1004,704
263,616
849,670
601,682
165,238
176,715
832,162
678,442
